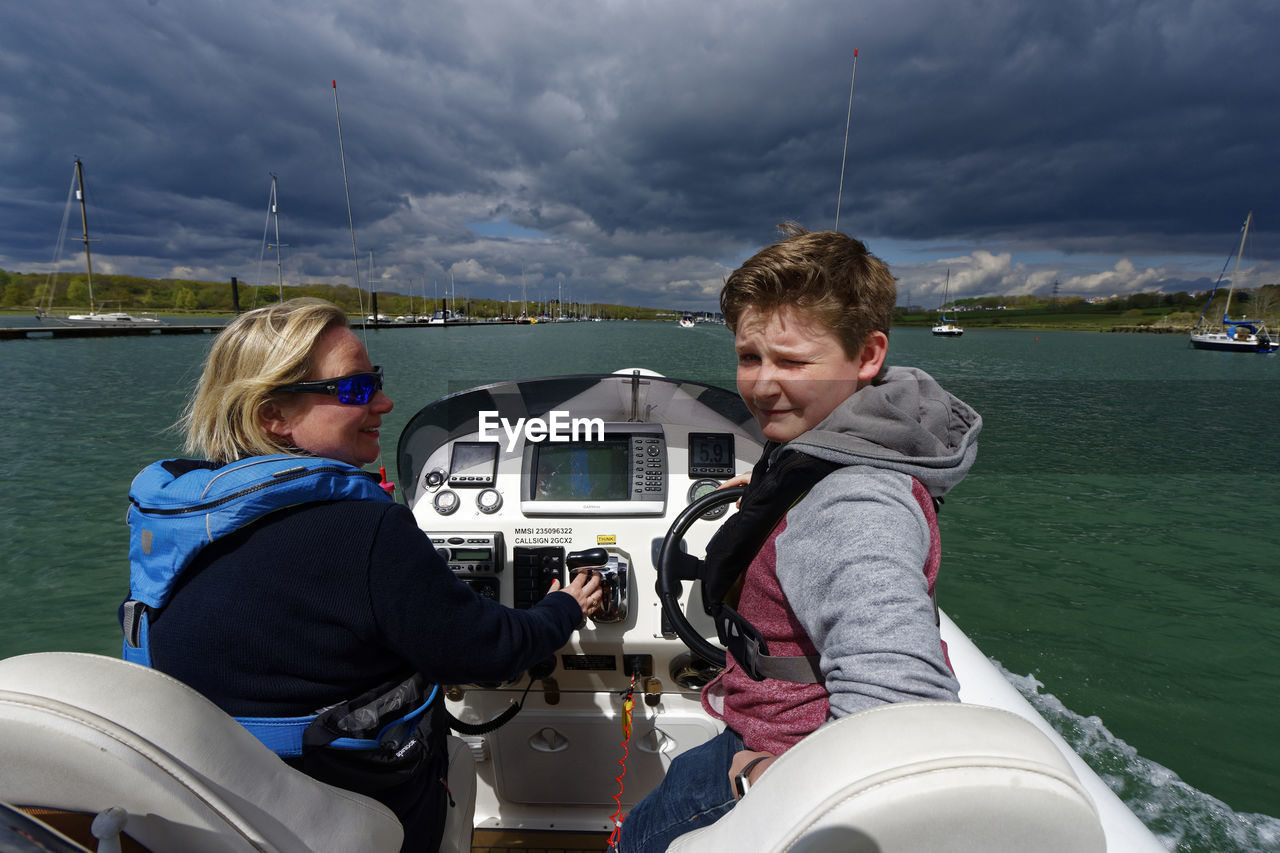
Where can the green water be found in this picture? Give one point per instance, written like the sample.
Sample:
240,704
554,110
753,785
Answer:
1115,548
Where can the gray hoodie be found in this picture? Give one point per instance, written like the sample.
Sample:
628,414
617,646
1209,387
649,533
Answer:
850,558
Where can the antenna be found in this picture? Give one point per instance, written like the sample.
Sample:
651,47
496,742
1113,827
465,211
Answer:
386,485
844,155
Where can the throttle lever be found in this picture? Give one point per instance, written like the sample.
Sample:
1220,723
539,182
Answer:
590,557
612,569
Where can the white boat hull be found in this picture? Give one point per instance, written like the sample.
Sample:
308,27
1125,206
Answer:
113,317
1222,342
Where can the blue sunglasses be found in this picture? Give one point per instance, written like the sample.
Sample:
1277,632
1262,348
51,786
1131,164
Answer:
354,389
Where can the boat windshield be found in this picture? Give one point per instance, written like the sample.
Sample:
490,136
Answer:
613,397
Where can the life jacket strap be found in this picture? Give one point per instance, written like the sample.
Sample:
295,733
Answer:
285,735
747,645
136,625
281,735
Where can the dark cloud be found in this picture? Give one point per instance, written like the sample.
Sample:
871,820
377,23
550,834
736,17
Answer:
637,152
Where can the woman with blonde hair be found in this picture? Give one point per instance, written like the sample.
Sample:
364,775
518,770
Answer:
278,579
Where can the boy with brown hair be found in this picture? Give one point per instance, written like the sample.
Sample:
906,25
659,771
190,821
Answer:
845,578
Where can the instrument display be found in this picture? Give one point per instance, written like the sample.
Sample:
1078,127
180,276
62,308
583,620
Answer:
473,464
624,472
711,454
597,471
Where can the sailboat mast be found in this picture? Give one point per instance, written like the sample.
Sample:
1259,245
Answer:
845,154
346,188
275,214
1226,311
84,224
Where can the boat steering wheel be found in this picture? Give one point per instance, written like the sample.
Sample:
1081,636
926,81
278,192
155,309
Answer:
675,566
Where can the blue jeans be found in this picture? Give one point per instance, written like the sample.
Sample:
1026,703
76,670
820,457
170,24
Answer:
694,793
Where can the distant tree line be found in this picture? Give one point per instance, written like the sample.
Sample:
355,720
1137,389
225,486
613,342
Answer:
1258,302
1266,298
62,292
70,292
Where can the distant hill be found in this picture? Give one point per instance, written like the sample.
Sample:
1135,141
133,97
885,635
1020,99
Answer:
26,291
1131,312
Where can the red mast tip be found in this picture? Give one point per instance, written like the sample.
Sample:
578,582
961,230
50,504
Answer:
335,82
855,56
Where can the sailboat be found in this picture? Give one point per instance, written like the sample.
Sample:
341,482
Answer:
946,328
1243,335
93,316
524,319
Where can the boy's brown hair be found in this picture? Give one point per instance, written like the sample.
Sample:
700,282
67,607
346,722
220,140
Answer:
829,275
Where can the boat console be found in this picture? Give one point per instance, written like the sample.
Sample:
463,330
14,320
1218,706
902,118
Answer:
523,482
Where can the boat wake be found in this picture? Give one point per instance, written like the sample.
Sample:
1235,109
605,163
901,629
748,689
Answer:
1184,819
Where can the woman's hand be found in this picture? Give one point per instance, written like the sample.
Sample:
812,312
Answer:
585,589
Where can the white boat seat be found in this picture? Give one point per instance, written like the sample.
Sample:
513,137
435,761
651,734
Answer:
83,733
925,777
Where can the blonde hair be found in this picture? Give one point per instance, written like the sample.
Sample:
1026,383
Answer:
256,353
825,273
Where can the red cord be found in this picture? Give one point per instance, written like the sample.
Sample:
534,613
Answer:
628,703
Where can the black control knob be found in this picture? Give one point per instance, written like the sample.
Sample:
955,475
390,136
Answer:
589,557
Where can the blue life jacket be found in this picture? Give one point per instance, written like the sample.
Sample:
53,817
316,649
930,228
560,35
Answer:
177,507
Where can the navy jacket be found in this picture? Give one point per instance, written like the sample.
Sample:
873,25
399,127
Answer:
318,603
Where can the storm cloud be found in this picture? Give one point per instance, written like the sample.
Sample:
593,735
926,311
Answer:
636,152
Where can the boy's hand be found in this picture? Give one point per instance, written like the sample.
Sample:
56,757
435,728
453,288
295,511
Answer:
741,760
740,480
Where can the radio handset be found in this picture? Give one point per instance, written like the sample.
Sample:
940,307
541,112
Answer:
612,567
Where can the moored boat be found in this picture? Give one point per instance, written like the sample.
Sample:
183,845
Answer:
1242,335
111,317
946,328
94,316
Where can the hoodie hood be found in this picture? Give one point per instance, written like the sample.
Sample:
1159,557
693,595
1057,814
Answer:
907,422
